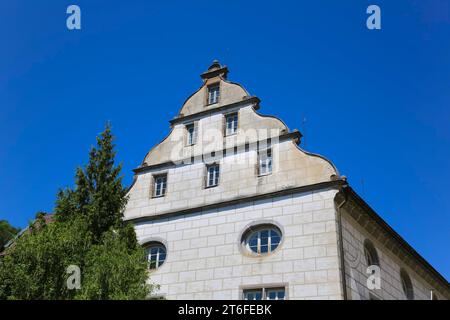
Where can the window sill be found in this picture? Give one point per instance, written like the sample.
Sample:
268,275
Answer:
264,174
252,254
209,187
152,270
161,196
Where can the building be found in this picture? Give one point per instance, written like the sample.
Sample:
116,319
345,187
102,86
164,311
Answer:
230,207
46,219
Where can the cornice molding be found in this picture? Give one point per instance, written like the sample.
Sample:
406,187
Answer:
294,135
246,100
335,184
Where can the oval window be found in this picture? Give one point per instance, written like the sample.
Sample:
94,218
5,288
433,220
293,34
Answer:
155,254
262,240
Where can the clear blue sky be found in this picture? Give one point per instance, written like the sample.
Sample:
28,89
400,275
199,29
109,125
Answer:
376,102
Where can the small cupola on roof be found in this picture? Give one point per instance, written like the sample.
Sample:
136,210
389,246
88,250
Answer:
215,70
215,92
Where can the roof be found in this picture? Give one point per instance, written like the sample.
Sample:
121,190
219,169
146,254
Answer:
49,217
351,194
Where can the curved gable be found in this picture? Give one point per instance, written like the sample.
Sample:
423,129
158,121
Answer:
229,93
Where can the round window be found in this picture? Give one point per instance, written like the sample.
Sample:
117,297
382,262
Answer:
155,254
262,240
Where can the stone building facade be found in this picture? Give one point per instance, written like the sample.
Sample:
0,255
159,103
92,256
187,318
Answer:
230,207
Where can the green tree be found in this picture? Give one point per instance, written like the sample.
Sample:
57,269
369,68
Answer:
89,232
99,195
35,266
7,232
113,271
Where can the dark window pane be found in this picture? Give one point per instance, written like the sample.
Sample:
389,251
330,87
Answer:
252,294
156,256
254,248
264,242
264,249
275,294
253,243
162,256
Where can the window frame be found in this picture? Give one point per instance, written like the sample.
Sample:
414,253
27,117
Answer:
208,95
154,185
371,254
235,116
406,283
260,159
207,179
263,290
192,125
257,228
152,245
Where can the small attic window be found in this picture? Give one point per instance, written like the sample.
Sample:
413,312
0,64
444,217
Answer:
213,93
191,130
265,162
213,172
159,185
231,123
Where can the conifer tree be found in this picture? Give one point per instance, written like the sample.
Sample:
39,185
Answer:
98,195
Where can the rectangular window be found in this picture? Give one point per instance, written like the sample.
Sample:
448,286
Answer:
275,294
265,162
191,130
254,294
264,294
160,185
231,123
213,173
213,94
